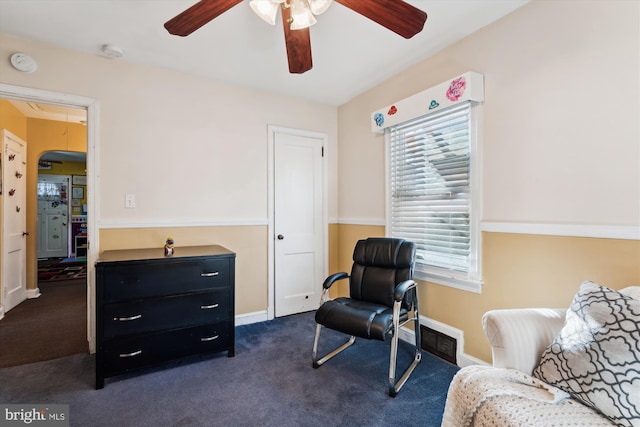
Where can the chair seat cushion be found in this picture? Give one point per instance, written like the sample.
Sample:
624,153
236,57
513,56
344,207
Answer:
359,318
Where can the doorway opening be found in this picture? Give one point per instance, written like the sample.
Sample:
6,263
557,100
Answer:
55,324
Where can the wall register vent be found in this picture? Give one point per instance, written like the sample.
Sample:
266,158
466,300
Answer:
439,344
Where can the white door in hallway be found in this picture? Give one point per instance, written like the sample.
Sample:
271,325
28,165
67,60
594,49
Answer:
14,214
53,216
298,222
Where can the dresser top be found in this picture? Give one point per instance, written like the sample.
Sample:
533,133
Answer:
158,253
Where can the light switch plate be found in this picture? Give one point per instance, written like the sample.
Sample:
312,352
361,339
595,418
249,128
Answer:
129,200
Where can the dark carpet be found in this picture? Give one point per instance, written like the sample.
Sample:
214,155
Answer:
48,327
270,382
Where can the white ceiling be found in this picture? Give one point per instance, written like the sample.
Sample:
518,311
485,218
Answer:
350,53
40,110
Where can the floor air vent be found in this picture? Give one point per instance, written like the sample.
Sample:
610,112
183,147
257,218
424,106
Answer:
439,344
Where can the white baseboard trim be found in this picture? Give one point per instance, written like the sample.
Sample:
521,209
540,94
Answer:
1,311
468,360
462,358
33,293
248,318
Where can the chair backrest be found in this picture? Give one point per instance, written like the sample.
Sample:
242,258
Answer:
379,264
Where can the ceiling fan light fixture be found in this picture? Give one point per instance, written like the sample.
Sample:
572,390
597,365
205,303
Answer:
266,9
301,16
319,6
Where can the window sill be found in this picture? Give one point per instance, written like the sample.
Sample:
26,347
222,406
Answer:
468,285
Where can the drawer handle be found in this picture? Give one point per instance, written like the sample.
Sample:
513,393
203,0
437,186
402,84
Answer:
215,273
126,319
135,353
207,307
205,339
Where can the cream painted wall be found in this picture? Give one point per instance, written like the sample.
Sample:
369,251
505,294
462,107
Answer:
560,145
154,122
560,118
192,150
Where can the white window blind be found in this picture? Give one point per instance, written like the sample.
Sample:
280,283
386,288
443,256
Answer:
430,183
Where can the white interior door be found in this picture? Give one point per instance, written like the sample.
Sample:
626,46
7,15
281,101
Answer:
14,212
298,223
53,216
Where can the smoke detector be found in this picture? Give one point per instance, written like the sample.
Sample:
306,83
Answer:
23,62
111,51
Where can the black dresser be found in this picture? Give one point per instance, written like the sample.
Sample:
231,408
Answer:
152,309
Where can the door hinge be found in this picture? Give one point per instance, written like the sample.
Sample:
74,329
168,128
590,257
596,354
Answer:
323,151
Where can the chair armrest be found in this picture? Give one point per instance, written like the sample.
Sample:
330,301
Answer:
518,337
402,288
334,278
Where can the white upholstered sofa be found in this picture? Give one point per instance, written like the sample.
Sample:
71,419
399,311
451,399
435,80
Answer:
510,393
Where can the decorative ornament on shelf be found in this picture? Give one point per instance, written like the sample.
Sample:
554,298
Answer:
168,247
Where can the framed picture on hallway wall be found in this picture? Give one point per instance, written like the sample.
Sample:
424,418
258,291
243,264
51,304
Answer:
77,193
79,180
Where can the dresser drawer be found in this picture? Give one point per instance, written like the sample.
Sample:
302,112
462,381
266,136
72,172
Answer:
171,312
129,353
133,280
152,309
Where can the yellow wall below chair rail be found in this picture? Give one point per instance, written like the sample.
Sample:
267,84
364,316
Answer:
519,270
248,242
346,237
523,270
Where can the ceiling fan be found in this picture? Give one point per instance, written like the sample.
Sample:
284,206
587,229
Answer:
298,15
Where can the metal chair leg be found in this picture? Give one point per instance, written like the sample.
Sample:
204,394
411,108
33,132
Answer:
394,387
318,362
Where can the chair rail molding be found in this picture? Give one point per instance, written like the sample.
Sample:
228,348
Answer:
567,230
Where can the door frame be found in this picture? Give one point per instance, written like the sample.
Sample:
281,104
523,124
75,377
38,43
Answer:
22,93
272,132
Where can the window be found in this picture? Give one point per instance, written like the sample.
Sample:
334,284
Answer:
434,194
50,190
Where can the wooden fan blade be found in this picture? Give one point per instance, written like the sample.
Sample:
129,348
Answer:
396,15
298,44
198,15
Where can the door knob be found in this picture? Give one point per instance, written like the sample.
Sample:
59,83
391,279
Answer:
280,237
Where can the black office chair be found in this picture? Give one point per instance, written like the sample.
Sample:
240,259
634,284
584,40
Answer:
383,298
